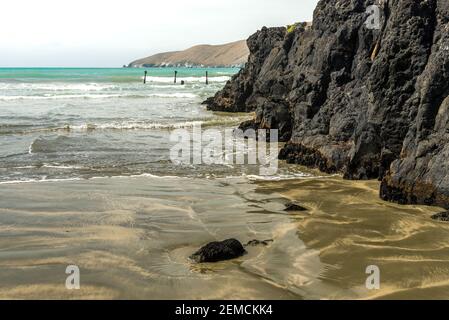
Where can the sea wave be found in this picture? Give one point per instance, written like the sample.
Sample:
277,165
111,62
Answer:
46,166
280,177
182,95
40,180
186,79
134,125
58,86
71,144
296,176
124,125
45,180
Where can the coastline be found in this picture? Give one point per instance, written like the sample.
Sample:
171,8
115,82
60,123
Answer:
253,178
367,101
124,233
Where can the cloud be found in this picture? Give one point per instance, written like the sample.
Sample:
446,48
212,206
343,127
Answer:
111,33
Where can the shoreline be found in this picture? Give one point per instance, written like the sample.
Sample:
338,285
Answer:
144,229
359,105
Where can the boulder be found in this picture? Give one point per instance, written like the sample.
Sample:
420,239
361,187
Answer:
219,251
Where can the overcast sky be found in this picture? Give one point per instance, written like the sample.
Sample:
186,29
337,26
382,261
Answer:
110,33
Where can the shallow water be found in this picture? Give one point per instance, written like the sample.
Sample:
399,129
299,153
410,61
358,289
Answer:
86,179
131,238
83,123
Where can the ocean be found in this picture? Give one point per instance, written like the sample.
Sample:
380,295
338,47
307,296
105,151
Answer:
86,180
85,123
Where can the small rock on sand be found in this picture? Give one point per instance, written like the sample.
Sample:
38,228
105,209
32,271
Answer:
442,216
255,243
294,207
219,251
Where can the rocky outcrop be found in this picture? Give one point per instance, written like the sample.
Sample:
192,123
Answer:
370,101
241,94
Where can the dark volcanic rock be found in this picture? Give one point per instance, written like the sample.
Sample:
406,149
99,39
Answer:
368,103
256,243
421,173
248,125
255,88
238,94
294,207
219,251
443,216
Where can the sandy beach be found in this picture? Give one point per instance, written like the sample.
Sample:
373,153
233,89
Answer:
131,238
221,159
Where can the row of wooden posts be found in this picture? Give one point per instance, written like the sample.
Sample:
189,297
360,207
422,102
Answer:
176,76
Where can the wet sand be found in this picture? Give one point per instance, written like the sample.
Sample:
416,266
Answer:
131,238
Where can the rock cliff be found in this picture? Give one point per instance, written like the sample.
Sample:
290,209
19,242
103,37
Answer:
360,92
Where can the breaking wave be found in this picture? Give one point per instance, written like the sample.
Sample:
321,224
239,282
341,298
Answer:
124,125
186,79
181,95
58,86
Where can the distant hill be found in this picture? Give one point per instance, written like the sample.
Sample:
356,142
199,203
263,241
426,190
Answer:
226,55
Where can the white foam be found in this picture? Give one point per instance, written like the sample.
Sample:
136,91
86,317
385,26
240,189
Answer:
134,126
61,167
296,176
39,180
100,96
186,79
57,86
44,180
58,97
173,95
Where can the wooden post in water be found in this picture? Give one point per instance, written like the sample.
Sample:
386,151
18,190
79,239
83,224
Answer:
176,74
145,77
207,77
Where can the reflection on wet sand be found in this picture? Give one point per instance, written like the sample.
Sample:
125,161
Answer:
352,229
131,238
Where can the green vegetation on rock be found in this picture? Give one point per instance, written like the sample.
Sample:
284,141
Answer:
291,28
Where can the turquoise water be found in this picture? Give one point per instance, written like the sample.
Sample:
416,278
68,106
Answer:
86,177
80,123
105,74
83,123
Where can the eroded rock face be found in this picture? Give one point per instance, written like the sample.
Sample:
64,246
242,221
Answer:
369,103
421,173
256,87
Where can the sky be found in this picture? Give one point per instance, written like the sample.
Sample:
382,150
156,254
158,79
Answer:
111,33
